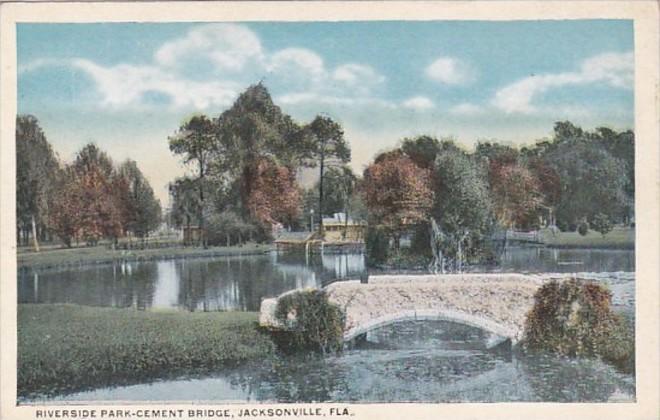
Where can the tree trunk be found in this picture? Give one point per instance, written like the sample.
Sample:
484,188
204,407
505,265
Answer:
227,237
202,234
322,163
34,235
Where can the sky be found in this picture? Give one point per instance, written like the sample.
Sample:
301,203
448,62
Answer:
128,86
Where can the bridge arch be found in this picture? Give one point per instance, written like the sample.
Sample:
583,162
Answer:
499,332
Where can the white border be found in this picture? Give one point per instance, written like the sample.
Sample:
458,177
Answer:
645,15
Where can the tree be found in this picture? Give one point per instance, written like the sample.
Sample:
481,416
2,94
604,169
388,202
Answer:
86,207
327,144
254,128
515,193
422,150
601,223
195,141
37,176
142,209
274,197
397,193
462,206
185,201
592,181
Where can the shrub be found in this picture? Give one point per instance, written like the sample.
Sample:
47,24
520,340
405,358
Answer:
314,323
601,223
574,318
583,228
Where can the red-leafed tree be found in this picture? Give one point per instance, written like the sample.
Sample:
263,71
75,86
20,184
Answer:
274,196
89,206
516,194
397,192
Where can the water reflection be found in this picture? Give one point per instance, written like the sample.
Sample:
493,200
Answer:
523,259
203,284
240,282
423,361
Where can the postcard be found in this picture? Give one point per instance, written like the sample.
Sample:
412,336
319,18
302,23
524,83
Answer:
358,210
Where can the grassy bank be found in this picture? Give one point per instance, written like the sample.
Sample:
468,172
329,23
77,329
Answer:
618,238
102,254
69,347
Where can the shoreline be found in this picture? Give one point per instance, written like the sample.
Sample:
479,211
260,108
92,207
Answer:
68,257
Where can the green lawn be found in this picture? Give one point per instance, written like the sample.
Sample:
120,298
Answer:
619,238
70,347
54,257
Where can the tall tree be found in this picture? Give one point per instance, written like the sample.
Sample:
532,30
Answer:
462,207
37,175
254,128
143,213
327,145
195,142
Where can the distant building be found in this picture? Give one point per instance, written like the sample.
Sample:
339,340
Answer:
192,234
338,229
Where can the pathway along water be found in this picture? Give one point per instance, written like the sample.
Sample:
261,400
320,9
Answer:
410,361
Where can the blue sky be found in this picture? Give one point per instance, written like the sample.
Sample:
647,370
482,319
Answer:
128,86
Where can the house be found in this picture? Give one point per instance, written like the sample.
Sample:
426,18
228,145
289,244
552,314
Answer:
338,228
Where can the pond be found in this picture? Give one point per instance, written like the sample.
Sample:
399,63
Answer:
240,282
430,361
423,361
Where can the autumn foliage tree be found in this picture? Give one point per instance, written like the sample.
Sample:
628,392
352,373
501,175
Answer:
96,201
397,192
274,196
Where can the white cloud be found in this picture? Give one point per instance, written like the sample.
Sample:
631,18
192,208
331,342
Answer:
297,59
467,109
125,84
613,69
450,71
353,74
418,103
228,46
211,64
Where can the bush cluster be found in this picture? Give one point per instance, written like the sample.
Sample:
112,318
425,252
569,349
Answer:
601,223
574,318
313,322
583,228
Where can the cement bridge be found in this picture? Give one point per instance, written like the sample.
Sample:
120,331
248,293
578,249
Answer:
496,303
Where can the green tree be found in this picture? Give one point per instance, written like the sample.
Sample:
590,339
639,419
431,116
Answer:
37,177
462,205
422,150
252,129
327,145
195,142
142,209
184,201
592,181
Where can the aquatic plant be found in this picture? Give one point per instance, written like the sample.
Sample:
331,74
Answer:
575,318
313,323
